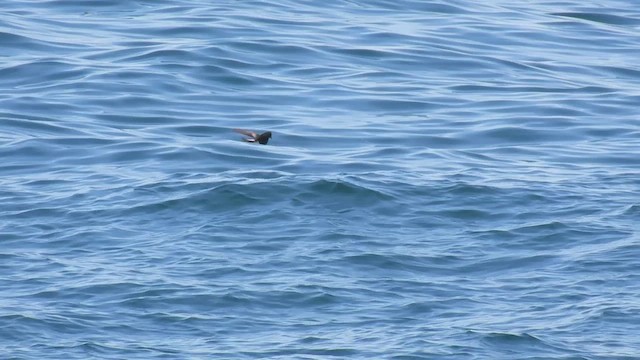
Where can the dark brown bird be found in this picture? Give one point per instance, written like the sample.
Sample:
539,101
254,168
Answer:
253,136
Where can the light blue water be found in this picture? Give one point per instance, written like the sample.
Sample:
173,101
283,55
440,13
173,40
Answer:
446,179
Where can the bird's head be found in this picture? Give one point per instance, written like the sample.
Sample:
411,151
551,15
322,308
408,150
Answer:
264,137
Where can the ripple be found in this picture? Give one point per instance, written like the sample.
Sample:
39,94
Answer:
600,18
436,168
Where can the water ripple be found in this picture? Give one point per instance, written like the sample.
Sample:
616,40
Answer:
445,179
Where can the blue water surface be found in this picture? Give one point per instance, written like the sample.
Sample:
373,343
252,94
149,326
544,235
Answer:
446,179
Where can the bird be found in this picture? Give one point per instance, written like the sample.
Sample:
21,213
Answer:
254,136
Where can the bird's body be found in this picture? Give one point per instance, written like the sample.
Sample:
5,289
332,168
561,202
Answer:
255,137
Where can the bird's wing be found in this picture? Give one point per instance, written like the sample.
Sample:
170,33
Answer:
247,133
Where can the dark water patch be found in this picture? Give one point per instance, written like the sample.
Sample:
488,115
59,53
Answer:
33,74
273,47
20,43
218,74
130,50
336,194
600,18
290,23
185,31
632,210
379,263
528,89
517,135
385,37
520,344
40,107
80,142
16,41
467,214
34,152
510,264
440,8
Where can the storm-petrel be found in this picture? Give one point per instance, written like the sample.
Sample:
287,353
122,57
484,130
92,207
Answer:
253,136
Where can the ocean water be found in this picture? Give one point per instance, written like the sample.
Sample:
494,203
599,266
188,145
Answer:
446,179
